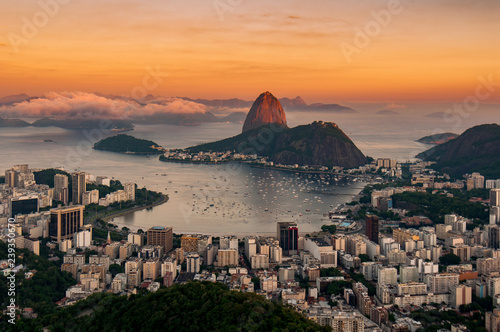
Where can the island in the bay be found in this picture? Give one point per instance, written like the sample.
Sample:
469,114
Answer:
128,144
265,134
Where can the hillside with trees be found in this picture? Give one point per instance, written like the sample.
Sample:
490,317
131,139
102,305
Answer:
436,206
476,150
128,144
195,306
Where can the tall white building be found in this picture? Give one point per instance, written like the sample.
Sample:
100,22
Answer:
61,192
227,257
372,248
129,189
494,215
228,242
103,181
461,295
259,261
90,197
475,181
427,268
169,265
321,251
436,253
136,238
408,274
442,282
493,286
412,288
339,241
370,270
275,254
449,219
79,186
193,263
250,247
388,244
119,283
83,239
388,276
492,184
347,321
430,239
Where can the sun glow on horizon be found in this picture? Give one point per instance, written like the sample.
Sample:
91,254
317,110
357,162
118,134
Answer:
412,51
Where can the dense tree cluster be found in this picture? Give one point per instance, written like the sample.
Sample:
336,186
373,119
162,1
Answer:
435,320
332,229
47,286
104,190
449,259
46,176
435,206
195,306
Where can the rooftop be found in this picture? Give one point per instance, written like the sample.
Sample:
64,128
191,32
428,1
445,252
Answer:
160,228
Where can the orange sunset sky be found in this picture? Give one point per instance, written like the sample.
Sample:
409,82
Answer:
431,50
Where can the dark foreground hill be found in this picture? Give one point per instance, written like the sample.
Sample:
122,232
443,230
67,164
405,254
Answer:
476,150
195,306
319,143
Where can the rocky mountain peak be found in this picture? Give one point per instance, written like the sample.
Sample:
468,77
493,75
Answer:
265,110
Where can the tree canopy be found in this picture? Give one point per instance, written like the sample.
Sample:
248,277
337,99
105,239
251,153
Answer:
195,306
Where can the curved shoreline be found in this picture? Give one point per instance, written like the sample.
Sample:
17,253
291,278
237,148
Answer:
274,168
163,200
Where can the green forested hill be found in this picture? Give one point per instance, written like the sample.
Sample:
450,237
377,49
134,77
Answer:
41,292
318,143
127,144
46,176
195,306
476,150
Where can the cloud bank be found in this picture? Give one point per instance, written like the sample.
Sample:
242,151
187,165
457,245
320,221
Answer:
82,105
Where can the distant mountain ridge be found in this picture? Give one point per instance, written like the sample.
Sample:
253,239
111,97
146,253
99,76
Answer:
200,111
222,103
9,100
296,104
13,123
476,150
121,125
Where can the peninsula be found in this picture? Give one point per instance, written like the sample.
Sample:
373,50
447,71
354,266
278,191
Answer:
266,135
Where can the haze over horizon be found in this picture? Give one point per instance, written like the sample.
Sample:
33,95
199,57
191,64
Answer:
425,51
